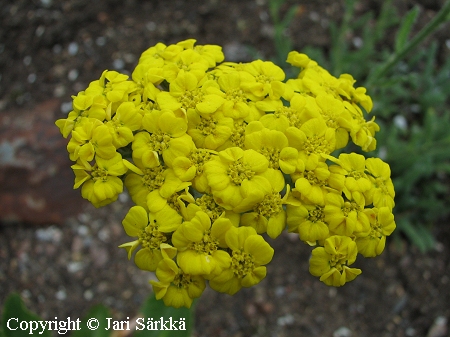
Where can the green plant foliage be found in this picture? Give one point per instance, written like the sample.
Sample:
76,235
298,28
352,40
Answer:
420,163
99,313
154,309
15,308
283,42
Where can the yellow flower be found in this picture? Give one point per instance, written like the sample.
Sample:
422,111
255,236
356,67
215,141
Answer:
166,135
238,178
249,255
84,107
313,139
191,168
308,220
273,145
142,180
100,183
162,198
301,108
188,93
336,117
126,120
235,99
207,204
113,85
352,166
89,138
346,217
188,60
331,262
362,132
268,215
297,59
174,287
152,231
212,53
382,224
198,242
382,191
211,131
314,180
266,80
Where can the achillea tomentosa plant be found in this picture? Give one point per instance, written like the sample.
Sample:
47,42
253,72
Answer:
215,154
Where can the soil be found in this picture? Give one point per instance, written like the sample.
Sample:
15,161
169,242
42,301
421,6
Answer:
53,49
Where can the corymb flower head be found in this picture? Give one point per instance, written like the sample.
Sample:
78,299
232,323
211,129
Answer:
217,156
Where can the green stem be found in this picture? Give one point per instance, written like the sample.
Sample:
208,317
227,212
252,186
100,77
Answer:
340,47
432,26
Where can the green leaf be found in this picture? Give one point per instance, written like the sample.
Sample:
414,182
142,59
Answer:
155,311
287,20
419,235
97,314
405,28
15,312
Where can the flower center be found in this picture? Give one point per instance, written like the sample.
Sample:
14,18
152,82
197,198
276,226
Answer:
312,178
159,142
316,214
270,205
99,173
209,206
150,237
349,207
239,171
153,178
356,174
338,261
182,280
190,99
272,155
199,157
242,263
291,114
263,79
207,126
207,245
379,183
317,145
238,135
235,95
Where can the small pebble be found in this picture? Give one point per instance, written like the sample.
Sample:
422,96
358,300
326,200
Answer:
66,107
27,60
50,234
73,74
88,295
61,295
31,78
118,64
342,332
285,320
100,41
46,3
151,26
40,30
59,91
82,230
73,267
73,48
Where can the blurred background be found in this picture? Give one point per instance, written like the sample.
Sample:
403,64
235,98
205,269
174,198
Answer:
60,253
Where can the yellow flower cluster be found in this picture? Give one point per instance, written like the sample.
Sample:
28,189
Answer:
216,155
